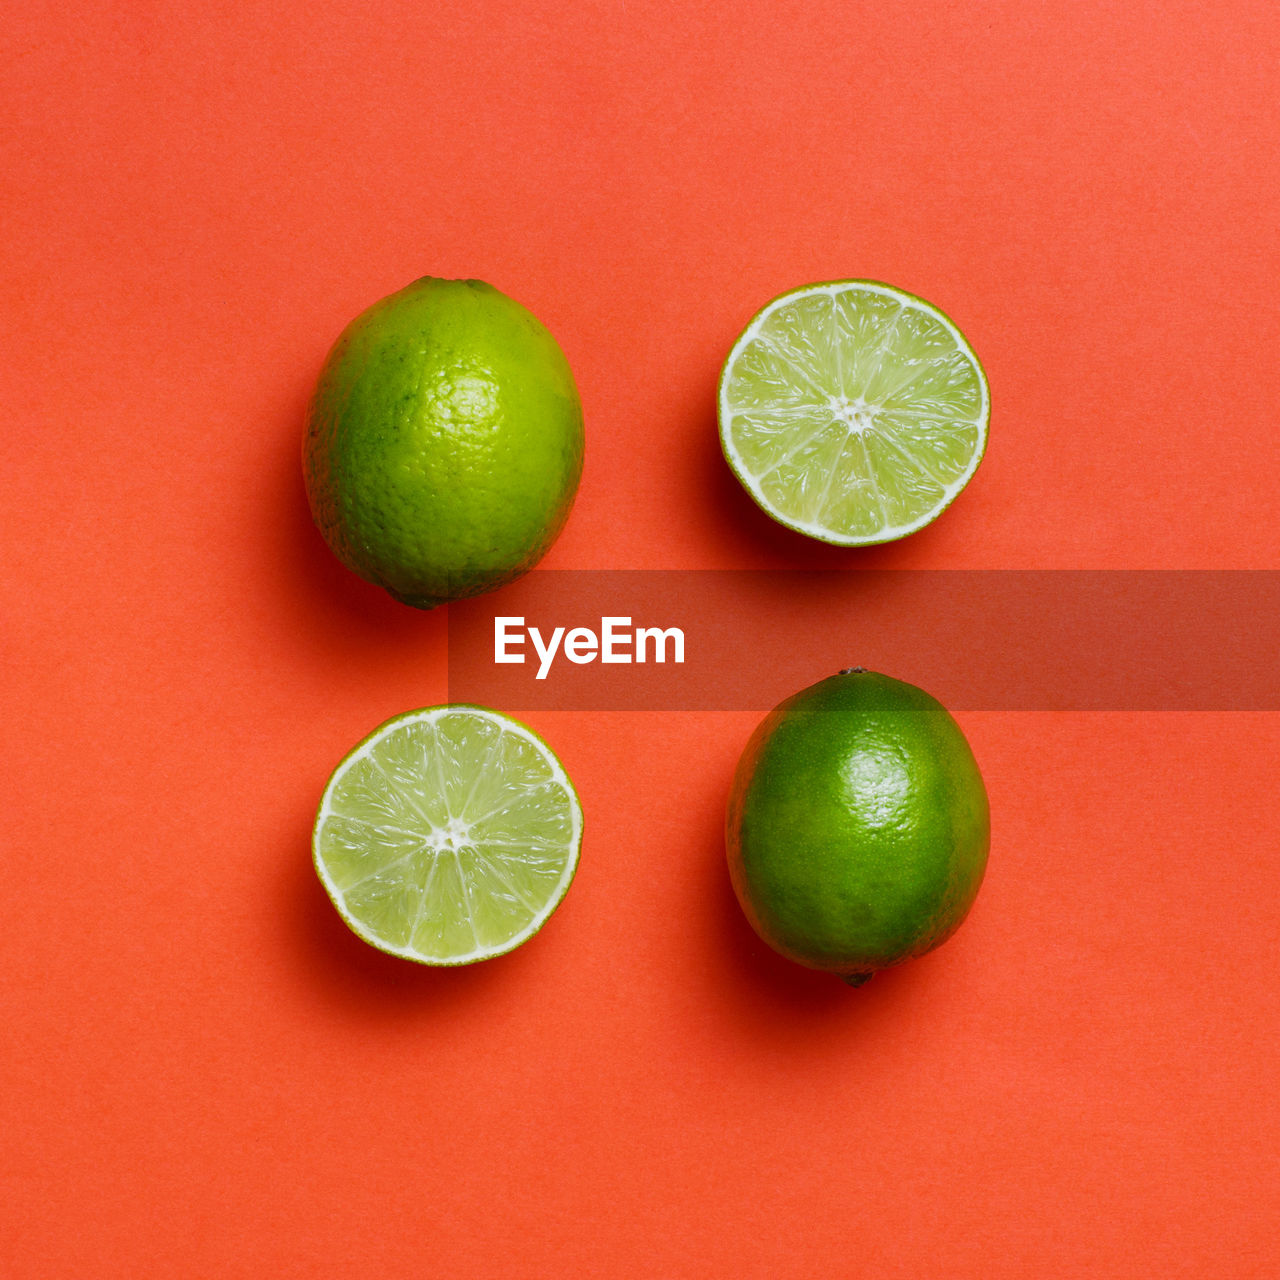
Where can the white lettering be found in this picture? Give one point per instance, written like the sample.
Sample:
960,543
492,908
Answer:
659,638
502,638
546,653
580,645
610,640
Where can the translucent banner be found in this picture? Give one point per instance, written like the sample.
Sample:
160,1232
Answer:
1034,640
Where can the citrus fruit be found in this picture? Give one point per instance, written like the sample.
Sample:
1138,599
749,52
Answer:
443,443
448,835
852,412
858,825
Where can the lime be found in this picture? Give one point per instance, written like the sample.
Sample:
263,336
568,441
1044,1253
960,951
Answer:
444,442
858,825
448,835
852,412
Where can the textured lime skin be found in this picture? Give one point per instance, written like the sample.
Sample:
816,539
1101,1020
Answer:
858,825
444,442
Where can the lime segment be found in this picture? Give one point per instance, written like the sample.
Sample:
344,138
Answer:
449,835
852,411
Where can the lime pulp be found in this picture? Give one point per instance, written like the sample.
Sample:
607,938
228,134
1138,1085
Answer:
852,411
449,835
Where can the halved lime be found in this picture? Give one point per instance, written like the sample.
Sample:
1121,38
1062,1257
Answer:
853,412
448,835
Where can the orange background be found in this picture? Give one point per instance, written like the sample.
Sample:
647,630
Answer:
203,1073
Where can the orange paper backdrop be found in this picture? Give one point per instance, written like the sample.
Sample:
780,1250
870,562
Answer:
202,1072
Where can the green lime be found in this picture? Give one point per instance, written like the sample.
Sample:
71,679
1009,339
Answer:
444,442
858,825
448,835
853,412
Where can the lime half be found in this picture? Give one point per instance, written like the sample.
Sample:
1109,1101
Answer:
448,835
853,412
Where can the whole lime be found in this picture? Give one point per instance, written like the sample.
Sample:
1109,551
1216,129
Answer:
443,443
858,825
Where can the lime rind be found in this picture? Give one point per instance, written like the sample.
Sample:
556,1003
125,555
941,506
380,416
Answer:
449,835
852,411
